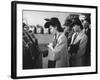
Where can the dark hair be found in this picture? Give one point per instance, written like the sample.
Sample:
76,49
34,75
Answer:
77,22
54,22
68,22
23,25
69,19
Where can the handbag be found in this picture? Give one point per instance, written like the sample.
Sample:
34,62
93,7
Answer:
51,63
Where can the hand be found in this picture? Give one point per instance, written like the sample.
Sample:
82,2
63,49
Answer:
50,47
68,48
33,58
45,53
50,44
27,46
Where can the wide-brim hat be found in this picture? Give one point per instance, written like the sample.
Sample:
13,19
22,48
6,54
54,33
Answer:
52,21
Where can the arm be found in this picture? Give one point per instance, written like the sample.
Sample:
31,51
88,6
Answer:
56,52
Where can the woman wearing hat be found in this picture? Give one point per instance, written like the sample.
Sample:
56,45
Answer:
57,49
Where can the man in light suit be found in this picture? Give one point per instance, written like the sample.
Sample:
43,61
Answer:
57,50
78,45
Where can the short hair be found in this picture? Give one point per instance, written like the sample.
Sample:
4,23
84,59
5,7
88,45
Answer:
69,19
54,22
68,22
77,22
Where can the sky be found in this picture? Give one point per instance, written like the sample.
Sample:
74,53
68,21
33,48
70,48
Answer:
37,17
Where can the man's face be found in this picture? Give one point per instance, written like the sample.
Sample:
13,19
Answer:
76,28
26,28
67,28
85,24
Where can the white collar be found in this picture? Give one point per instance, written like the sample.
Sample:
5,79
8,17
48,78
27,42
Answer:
58,35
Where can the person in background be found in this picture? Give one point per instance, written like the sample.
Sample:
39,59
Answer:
68,31
31,51
87,31
57,49
78,45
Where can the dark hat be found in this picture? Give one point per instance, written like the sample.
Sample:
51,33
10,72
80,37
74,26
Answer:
53,21
77,22
68,22
47,24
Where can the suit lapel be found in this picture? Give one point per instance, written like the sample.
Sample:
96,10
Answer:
78,37
73,38
59,36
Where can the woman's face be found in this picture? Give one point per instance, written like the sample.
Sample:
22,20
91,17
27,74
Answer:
53,30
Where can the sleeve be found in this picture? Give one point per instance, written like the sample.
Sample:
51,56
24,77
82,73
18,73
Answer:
82,46
56,52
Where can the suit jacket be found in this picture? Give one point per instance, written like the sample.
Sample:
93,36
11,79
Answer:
68,35
60,53
88,33
81,39
87,56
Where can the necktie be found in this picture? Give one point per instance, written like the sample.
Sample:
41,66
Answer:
74,38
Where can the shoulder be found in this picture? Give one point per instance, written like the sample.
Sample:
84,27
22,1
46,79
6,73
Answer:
62,37
84,36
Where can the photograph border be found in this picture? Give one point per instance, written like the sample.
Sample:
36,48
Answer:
14,38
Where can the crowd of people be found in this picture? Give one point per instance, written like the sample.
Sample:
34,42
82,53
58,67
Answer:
70,46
